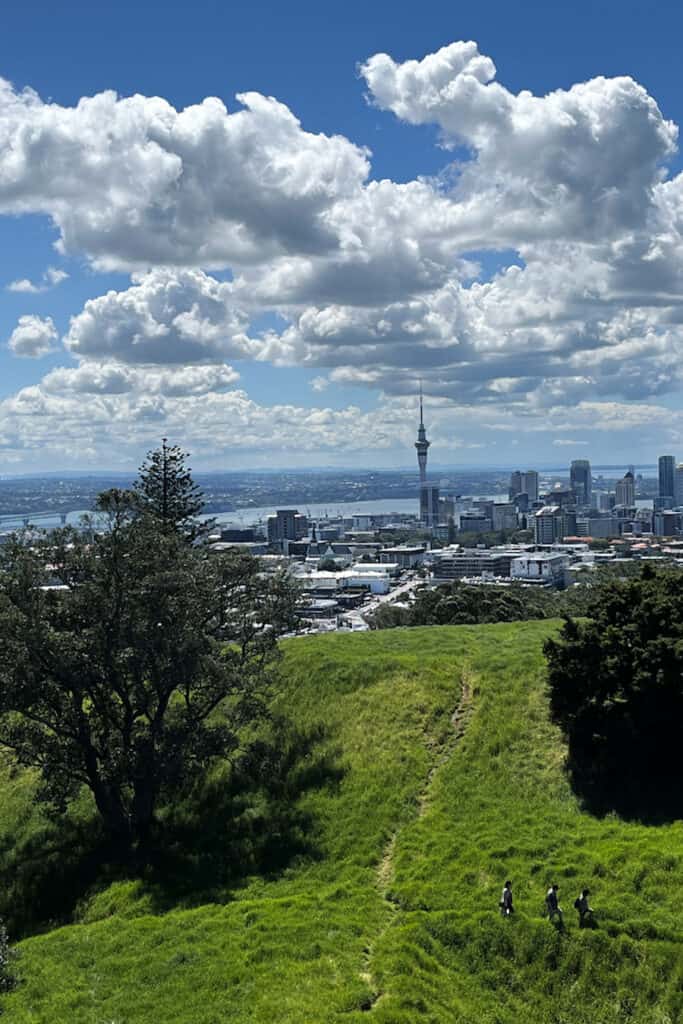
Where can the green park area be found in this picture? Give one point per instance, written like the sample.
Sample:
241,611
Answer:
415,770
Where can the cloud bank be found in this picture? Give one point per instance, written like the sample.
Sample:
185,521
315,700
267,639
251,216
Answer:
221,217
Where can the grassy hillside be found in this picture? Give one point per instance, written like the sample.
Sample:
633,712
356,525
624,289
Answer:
442,777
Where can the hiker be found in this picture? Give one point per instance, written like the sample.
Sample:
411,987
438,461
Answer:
552,905
585,911
505,904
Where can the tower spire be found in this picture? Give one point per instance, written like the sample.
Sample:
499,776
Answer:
428,495
422,444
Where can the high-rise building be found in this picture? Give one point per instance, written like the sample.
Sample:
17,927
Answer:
667,469
678,486
429,504
580,482
286,524
545,524
626,490
429,496
530,484
515,487
524,483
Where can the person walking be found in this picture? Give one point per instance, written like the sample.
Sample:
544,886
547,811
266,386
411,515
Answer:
585,910
553,907
506,907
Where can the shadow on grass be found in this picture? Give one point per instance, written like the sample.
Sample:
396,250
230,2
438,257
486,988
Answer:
43,875
241,822
244,822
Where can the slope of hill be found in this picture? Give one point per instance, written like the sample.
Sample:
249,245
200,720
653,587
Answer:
435,776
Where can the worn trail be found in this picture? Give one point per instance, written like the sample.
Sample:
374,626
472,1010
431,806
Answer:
385,869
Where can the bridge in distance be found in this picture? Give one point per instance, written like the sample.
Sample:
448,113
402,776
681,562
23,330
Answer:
33,517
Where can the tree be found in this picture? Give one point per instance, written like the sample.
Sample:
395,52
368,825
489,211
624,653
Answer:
146,661
457,603
166,491
616,689
7,957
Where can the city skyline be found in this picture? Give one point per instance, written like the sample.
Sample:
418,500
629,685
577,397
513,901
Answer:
256,246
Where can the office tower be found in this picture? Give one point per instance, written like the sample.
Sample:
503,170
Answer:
678,486
286,524
626,490
429,504
580,481
667,469
530,484
515,487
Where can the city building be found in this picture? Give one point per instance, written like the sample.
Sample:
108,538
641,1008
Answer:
678,486
667,468
598,526
237,535
564,497
405,556
626,490
429,504
504,517
530,484
456,563
580,482
446,509
541,567
286,524
475,522
552,523
515,487
524,483
545,520
667,523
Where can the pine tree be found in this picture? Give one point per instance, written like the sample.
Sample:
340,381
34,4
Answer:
166,491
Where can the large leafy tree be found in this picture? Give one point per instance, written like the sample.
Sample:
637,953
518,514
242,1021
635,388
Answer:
131,658
616,688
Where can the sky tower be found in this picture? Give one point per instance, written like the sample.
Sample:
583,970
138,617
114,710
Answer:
429,496
422,445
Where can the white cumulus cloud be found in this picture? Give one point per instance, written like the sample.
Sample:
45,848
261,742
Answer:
32,337
166,316
133,181
52,277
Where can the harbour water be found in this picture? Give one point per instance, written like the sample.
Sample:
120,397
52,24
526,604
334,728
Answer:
245,517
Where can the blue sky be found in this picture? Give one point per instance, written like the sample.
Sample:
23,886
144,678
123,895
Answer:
308,348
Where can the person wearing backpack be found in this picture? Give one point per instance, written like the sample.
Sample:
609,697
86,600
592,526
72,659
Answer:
585,910
553,907
506,907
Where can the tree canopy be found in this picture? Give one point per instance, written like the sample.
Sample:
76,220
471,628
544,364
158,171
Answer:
457,603
131,659
616,688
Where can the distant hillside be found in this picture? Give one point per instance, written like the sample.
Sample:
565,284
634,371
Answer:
432,774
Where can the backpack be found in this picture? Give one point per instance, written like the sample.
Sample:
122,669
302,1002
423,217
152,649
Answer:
577,903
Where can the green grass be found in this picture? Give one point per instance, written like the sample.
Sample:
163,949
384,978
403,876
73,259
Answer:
391,915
